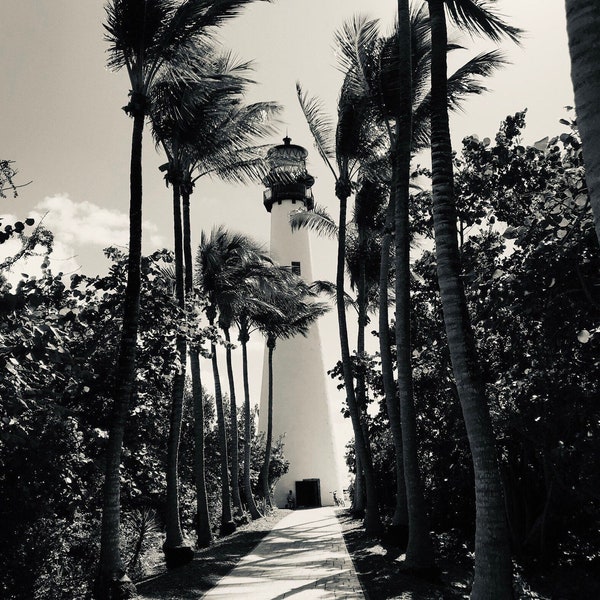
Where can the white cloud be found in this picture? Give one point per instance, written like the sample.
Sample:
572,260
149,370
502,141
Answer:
83,223
81,230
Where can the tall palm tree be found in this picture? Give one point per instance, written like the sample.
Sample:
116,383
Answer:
583,22
359,57
419,551
205,129
202,125
492,554
147,37
391,74
352,143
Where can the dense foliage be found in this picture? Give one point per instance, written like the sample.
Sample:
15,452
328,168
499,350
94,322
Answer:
530,263
57,346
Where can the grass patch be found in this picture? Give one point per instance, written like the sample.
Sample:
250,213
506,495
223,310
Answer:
209,564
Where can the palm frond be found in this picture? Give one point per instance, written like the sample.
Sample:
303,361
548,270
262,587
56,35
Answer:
356,41
317,220
328,288
193,18
132,28
478,16
465,81
320,126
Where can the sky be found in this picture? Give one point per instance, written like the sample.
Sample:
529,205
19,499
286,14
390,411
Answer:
61,119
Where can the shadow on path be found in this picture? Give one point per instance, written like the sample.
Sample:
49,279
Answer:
207,568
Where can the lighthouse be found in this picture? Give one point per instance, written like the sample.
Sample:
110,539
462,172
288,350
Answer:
302,410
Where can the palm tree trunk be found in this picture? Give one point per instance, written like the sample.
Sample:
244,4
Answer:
419,551
400,517
203,530
358,501
233,433
361,301
583,24
227,525
174,535
254,512
188,261
264,471
361,392
492,577
111,573
372,520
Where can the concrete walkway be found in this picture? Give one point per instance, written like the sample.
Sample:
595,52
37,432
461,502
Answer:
303,557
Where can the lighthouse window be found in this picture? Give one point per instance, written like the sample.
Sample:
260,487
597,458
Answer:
296,268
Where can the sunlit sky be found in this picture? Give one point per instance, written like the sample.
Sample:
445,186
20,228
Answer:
61,119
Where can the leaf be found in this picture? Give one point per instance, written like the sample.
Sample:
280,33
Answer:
561,233
584,336
581,200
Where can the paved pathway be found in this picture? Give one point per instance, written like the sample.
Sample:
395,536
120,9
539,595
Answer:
303,557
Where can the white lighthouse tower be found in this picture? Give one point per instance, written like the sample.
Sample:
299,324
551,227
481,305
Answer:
302,410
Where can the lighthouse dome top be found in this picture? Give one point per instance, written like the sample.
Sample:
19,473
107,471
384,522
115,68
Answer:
288,178
287,153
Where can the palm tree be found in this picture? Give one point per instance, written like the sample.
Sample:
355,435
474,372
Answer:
360,46
202,125
228,154
233,303
352,144
394,72
492,578
260,281
221,258
147,37
419,551
295,312
583,21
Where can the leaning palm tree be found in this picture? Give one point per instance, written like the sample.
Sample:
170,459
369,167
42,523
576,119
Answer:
220,257
232,303
492,577
394,72
352,144
583,23
147,37
296,310
256,308
202,125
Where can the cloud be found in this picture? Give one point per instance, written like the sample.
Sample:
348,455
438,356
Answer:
81,230
84,223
